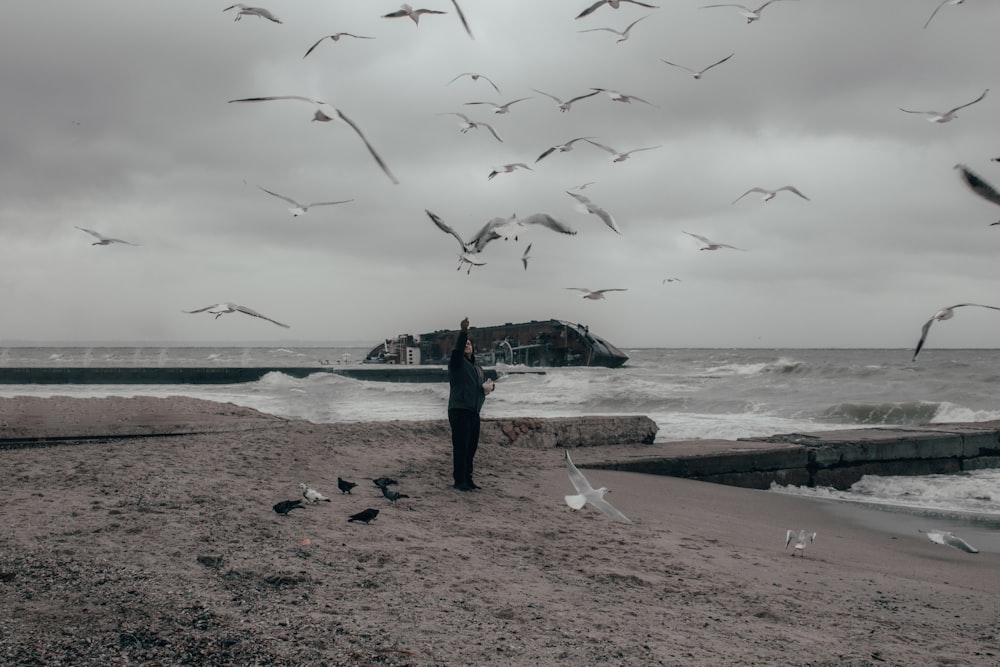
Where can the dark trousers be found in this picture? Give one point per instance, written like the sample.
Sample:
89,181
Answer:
464,443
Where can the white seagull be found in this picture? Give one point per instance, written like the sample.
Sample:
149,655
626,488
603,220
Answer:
297,208
800,539
588,206
336,38
770,194
252,11
497,228
525,257
948,539
946,116
468,255
979,186
697,74
939,316
938,8
622,97
712,245
470,124
594,295
101,239
564,106
312,495
614,4
619,156
585,493
507,168
320,114
562,148
220,309
750,14
670,280
622,34
414,14
475,76
502,108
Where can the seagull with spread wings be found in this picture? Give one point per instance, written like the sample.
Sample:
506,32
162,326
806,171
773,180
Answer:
502,108
297,208
587,206
252,11
770,194
938,8
623,35
616,155
949,539
613,4
469,124
712,245
562,148
475,76
413,14
979,186
507,169
940,316
751,15
220,309
622,97
585,493
336,38
946,116
565,106
697,74
101,239
595,295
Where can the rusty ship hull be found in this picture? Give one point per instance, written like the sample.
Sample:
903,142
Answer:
548,343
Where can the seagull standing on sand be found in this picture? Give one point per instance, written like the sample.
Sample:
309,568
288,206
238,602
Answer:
750,14
590,207
946,116
252,11
101,239
470,124
622,34
475,76
697,74
712,245
614,4
938,8
979,186
565,106
585,493
312,495
320,114
594,295
941,315
770,194
800,539
502,108
220,309
948,539
336,38
562,148
507,169
619,156
414,14
301,209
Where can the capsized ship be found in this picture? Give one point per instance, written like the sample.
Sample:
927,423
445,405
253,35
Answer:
545,343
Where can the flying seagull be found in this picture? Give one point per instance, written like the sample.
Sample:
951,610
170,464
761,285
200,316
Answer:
799,539
312,495
941,315
770,194
364,516
507,169
946,116
619,156
502,108
470,124
461,17
320,114
298,209
712,245
391,495
468,255
938,8
286,506
252,11
622,97
585,493
565,106
590,207
345,486
562,148
335,37
614,4
979,186
475,76
101,239
697,74
948,539
414,14
622,34
525,257
670,280
594,295
220,309
750,14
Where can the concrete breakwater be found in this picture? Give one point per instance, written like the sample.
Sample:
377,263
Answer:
211,375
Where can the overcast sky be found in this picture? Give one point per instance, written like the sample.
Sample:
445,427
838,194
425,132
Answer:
115,118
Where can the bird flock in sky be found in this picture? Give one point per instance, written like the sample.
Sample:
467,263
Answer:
515,227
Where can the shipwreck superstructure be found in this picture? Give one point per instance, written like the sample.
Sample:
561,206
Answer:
535,343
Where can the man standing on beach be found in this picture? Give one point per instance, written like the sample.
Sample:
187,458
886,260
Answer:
469,387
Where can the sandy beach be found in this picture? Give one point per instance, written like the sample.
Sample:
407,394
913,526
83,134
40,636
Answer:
164,549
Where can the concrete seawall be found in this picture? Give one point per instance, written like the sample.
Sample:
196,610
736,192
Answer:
209,375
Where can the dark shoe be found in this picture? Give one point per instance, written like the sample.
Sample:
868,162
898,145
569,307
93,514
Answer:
462,486
472,485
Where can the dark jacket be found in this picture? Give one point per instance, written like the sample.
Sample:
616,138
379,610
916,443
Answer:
466,379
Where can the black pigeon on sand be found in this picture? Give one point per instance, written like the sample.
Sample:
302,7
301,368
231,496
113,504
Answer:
384,481
344,485
286,506
393,496
365,516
